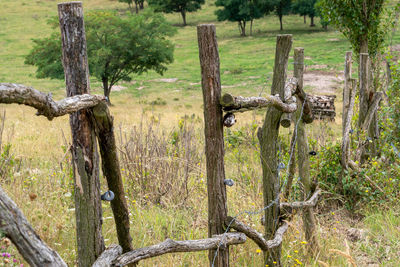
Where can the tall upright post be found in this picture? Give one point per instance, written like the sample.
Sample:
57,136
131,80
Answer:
347,87
268,136
84,150
214,138
304,162
364,100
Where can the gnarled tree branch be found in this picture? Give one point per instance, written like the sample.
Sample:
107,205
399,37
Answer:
255,235
171,246
11,93
15,226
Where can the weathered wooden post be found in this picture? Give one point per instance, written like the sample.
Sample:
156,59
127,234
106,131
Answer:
84,150
347,88
214,137
268,136
104,124
304,163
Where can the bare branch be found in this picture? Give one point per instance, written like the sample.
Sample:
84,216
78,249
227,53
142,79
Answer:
171,246
372,109
255,235
311,202
347,124
11,93
14,225
108,255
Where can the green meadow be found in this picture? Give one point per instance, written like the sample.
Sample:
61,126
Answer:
167,110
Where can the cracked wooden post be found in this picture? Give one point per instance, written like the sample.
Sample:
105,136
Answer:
84,150
214,137
268,136
303,160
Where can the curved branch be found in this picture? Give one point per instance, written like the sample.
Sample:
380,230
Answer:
11,93
255,235
171,246
15,226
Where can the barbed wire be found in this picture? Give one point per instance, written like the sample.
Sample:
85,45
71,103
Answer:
276,200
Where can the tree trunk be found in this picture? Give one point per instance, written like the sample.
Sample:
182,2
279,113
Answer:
141,6
107,90
305,21
242,28
84,150
111,170
280,21
214,139
251,27
364,99
183,13
312,21
136,7
268,136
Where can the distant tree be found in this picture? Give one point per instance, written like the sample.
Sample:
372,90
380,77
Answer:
117,47
279,7
241,11
305,8
171,6
138,4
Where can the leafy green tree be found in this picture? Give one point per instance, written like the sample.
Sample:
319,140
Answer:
241,11
180,6
117,47
279,7
359,21
305,8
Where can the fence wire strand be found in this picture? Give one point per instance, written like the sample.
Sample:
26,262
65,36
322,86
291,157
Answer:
276,200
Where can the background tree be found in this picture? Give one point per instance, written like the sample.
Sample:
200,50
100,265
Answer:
240,11
139,4
117,48
305,8
279,7
181,6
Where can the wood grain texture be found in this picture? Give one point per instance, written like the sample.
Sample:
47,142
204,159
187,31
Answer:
11,93
15,226
84,149
214,137
108,256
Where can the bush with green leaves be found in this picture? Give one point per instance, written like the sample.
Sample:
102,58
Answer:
117,47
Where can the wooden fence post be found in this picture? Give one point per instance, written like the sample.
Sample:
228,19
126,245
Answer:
346,88
268,136
84,150
304,162
104,124
214,138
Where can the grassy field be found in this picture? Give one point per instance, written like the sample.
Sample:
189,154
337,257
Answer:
40,182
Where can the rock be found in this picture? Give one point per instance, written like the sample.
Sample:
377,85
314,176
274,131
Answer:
355,234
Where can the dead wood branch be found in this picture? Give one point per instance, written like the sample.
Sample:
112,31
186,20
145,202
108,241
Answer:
255,235
233,104
15,226
11,93
108,255
311,202
288,207
372,110
171,246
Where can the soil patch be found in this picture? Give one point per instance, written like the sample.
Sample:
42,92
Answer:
322,83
